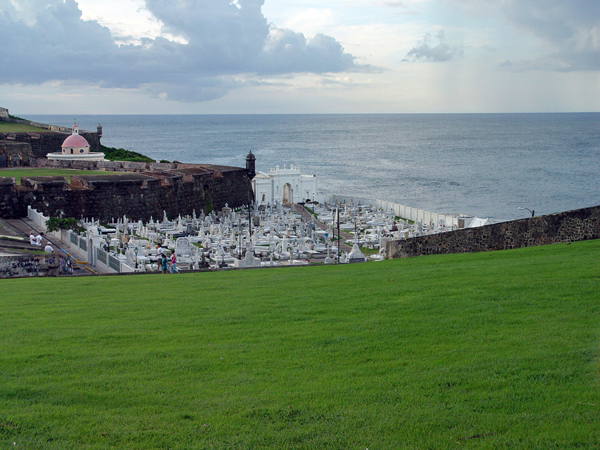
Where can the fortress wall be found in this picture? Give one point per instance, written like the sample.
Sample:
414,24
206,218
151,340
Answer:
14,154
139,196
9,201
576,225
107,166
47,142
124,166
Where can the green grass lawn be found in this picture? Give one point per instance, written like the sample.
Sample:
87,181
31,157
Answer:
42,172
491,350
9,127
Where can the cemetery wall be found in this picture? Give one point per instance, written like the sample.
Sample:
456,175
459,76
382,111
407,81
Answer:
139,195
29,266
576,225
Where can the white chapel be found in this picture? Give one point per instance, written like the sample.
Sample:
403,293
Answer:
76,148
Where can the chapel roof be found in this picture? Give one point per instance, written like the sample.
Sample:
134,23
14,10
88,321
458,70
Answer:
75,140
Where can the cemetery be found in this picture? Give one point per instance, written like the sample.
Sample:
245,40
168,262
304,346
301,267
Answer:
255,236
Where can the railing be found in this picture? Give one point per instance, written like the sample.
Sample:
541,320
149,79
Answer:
38,218
102,256
114,263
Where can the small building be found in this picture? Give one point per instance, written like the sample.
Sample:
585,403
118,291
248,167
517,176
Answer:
285,185
76,148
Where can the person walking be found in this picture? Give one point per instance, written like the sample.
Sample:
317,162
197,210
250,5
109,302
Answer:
174,263
164,263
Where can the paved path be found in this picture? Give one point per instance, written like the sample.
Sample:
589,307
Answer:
6,229
24,227
309,217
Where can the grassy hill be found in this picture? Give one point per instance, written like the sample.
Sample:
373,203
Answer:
482,351
10,127
50,172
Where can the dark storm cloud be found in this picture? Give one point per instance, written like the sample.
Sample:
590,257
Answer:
426,51
48,41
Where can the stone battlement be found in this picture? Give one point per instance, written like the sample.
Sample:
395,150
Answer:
140,191
36,144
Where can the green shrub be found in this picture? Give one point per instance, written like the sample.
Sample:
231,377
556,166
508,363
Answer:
62,223
120,154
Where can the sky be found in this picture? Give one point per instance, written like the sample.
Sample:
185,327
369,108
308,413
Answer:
299,56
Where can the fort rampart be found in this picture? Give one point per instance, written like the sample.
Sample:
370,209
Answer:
16,148
576,225
140,191
42,143
15,154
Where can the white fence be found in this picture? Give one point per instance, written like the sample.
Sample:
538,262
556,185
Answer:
403,211
78,246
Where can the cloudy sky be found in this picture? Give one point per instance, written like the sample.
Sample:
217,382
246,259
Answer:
299,56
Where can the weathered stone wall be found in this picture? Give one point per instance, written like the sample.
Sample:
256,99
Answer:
14,154
46,142
122,166
576,225
9,201
139,196
29,266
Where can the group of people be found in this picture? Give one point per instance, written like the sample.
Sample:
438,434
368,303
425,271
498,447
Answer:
164,261
37,240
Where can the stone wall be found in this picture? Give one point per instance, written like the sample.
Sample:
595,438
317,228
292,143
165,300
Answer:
139,195
29,266
576,225
46,142
14,154
121,166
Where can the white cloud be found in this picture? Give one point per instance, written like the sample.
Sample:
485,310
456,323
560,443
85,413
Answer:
50,41
309,21
426,51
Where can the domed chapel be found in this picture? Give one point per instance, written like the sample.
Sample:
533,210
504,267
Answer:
76,148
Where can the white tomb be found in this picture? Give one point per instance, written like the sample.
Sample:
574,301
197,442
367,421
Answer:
285,185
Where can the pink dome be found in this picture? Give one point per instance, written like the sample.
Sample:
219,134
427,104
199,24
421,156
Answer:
75,141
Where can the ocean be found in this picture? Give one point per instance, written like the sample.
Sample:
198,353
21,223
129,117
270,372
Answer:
486,165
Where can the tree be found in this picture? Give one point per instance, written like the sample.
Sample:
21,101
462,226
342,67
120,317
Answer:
62,223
